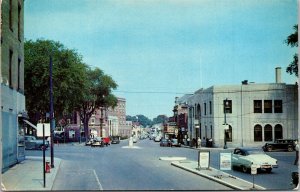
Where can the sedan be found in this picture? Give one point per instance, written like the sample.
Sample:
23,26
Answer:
165,142
174,142
245,157
98,142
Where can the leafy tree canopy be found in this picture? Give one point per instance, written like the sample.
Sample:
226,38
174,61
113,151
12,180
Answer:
69,77
292,40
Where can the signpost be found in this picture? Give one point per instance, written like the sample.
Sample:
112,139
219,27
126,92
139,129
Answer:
203,159
253,172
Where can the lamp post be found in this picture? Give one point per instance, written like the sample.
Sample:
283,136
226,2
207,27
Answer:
225,123
51,113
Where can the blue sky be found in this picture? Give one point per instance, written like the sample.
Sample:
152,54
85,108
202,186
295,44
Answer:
159,49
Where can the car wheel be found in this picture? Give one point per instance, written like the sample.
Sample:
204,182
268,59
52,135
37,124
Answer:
269,148
244,169
269,170
290,149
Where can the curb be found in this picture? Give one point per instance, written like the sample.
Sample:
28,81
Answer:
219,178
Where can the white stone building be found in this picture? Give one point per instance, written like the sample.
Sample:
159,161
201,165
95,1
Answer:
255,113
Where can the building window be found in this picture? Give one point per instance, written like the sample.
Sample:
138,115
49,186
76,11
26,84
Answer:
19,22
257,106
211,131
228,134
10,68
227,106
210,108
10,15
267,106
268,133
204,108
278,106
257,133
278,131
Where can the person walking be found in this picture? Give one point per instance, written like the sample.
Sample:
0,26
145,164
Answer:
199,142
297,153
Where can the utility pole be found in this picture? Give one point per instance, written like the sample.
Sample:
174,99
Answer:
225,123
51,113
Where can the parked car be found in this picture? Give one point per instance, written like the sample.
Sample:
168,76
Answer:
31,142
280,145
157,138
115,140
165,142
243,158
97,142
174,142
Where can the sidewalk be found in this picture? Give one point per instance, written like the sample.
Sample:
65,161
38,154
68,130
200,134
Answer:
28,175
217,175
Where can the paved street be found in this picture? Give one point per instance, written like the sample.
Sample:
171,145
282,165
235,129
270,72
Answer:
117,167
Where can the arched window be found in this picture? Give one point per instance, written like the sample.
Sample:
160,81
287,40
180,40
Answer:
268,132
257,133
198,112
278,131
229,134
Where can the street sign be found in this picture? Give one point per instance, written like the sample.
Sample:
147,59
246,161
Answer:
253,169
225,161
203,159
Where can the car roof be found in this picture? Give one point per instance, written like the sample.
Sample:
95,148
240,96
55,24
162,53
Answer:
248,149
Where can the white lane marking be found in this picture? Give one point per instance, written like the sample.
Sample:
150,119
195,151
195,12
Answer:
100,186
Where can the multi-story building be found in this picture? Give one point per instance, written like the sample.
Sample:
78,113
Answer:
244,115
12,82
113,123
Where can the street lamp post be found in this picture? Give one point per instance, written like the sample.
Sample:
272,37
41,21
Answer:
225,123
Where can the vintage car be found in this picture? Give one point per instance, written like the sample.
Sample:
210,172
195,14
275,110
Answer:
97,142
244,158
280,145
165,142
31,142
115,140
175,142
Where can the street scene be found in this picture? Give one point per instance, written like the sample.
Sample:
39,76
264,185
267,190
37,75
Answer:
187,95
104,168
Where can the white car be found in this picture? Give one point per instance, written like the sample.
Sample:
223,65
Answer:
157,138
245,157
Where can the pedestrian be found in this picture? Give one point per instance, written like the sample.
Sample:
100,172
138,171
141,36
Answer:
199,142
195,143
297,153
188,141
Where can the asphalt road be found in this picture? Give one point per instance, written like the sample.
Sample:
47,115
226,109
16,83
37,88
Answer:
118,167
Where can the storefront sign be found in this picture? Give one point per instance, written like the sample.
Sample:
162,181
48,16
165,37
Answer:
203,159
225,161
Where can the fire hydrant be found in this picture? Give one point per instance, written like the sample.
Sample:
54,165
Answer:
47,167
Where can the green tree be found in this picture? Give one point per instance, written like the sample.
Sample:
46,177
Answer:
292,40
97,94
69,76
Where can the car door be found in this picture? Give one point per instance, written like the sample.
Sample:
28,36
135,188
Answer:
236,157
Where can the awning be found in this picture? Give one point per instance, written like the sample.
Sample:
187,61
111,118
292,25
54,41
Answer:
32,125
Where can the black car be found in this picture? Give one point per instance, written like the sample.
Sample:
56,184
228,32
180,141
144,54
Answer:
165,142
280,145
115,140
